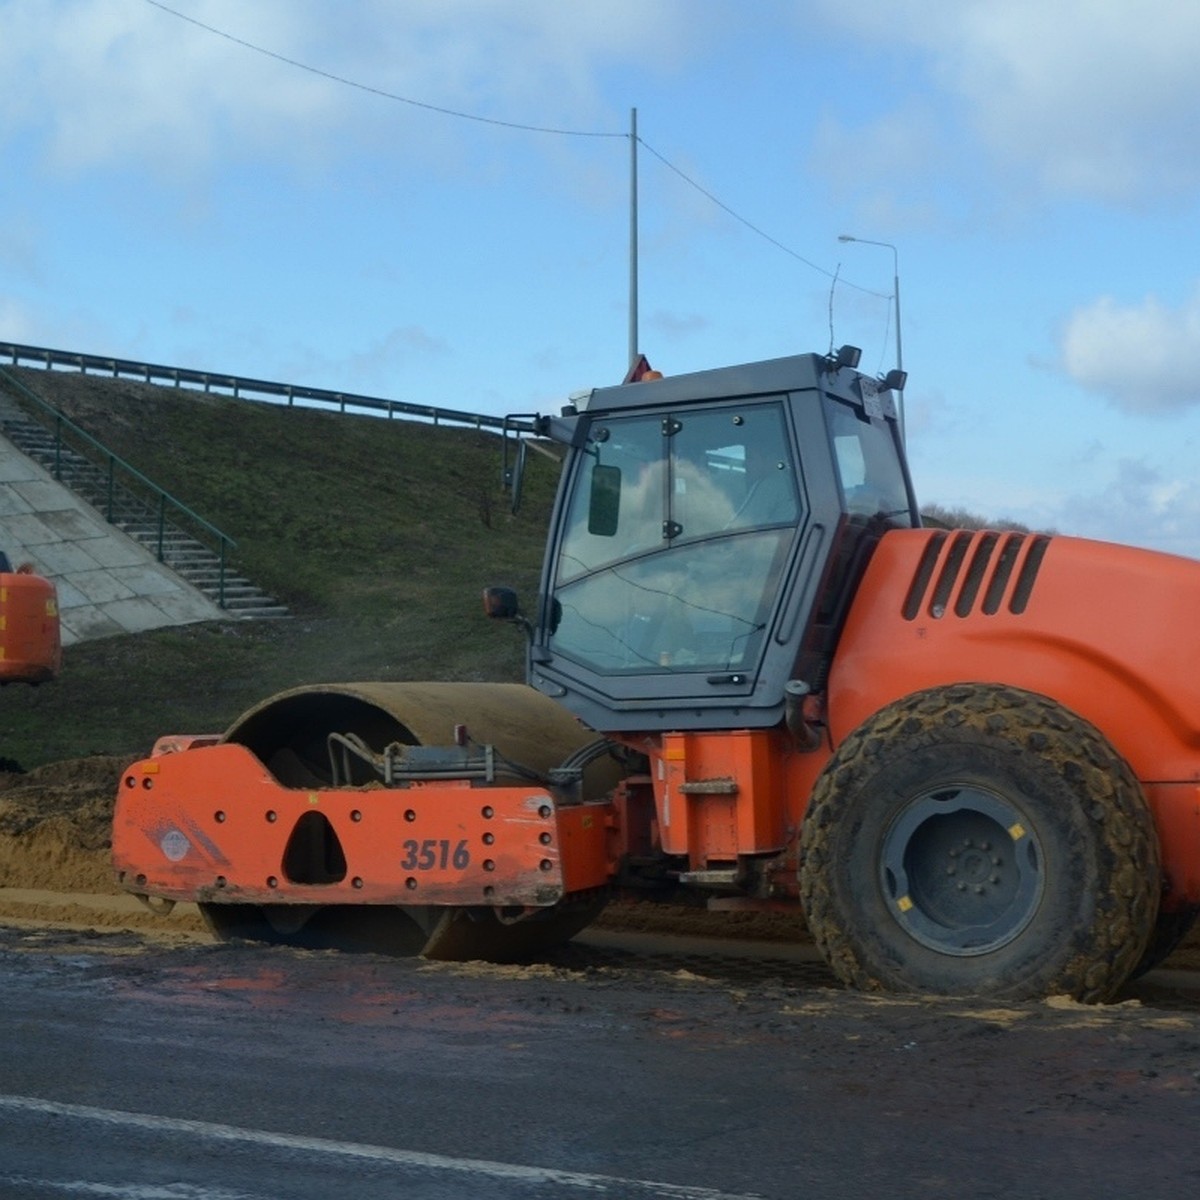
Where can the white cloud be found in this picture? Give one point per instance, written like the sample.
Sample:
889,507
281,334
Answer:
1142,358
15,322
906,141
1127,500
674,326
393,350
20,250
129,84
1141,505
1095,98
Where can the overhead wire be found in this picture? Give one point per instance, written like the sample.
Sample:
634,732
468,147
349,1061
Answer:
376,91
751,226
384,94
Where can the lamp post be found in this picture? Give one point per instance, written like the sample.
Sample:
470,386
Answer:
846,237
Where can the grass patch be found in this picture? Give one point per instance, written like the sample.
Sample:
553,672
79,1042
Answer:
380,535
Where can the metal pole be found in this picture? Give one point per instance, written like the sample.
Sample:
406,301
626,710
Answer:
899,352
633,237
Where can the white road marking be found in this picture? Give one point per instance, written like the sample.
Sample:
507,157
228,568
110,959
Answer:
580,1181
127,1191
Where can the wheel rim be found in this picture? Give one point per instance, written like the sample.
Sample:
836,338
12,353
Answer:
961,870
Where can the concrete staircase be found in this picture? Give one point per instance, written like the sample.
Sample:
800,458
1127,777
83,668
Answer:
193,561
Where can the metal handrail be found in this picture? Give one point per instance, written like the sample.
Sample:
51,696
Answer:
164,499
238,385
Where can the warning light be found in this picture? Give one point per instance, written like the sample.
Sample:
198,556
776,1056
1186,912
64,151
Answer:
642,371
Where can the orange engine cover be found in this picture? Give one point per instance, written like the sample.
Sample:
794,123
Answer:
1105,630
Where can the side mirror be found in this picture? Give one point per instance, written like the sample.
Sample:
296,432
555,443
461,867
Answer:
501,603
604,501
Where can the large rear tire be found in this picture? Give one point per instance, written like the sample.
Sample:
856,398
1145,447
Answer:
980,840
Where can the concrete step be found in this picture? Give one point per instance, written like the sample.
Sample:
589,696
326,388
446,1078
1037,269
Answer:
194,562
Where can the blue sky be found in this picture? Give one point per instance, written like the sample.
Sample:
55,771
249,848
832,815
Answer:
173,195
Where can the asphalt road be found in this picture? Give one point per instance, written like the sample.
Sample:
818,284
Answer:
240,1073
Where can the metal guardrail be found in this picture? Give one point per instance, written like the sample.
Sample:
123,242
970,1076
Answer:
239,386
163,500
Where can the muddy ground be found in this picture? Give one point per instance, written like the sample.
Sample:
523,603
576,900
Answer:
915,1094
55,824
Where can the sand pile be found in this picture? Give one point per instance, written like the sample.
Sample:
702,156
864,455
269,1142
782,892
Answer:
55,843
55,825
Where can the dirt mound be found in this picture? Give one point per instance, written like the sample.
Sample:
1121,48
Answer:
56,825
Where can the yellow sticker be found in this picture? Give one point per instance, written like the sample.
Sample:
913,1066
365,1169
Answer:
586,822
1016,832
904,903
313,798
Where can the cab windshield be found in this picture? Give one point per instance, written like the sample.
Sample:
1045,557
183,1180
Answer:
676,535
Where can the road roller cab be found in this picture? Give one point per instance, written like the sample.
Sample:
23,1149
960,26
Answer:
753,681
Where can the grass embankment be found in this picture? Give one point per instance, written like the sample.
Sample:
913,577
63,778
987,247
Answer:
380,535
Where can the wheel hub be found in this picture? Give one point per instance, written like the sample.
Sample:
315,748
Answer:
961,870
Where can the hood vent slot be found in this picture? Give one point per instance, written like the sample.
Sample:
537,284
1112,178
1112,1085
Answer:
978,570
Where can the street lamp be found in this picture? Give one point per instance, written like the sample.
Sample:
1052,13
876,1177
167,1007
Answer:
845,237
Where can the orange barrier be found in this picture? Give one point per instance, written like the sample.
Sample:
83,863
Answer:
30,647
